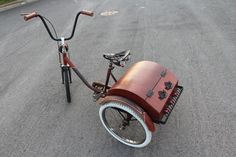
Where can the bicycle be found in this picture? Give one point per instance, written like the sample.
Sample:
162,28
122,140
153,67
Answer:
144,95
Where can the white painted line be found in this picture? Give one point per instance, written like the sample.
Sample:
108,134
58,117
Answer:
109,13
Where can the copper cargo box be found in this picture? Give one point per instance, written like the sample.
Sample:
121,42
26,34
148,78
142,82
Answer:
150,86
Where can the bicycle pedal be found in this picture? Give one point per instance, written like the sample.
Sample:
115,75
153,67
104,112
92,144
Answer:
122,128
96,96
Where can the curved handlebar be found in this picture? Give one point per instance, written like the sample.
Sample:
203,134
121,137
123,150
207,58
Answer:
28,16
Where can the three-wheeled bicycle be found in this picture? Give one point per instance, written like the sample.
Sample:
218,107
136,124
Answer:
144,95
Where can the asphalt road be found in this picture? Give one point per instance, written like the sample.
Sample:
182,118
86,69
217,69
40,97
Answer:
195,39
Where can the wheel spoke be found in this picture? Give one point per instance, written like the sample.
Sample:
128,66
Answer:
121,114
133,119
124,124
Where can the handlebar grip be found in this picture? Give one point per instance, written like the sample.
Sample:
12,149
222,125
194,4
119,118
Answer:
88,13
30,16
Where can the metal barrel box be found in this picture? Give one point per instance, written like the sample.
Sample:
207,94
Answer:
152,87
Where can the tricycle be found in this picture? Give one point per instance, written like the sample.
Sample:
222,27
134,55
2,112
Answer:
144,95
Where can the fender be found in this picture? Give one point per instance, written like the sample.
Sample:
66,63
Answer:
132,105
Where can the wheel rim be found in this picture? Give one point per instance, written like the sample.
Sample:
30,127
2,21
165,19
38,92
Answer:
114,120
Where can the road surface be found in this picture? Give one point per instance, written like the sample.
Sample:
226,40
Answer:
195,39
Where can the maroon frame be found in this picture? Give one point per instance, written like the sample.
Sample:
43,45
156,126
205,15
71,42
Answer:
69,63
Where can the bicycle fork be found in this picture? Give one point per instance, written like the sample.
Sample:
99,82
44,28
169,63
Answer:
63,68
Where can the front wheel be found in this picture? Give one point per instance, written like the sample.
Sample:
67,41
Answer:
66,76
124,124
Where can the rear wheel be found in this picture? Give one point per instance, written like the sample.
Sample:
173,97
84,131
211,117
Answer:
124,124
67,83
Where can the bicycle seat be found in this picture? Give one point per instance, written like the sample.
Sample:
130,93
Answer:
117,58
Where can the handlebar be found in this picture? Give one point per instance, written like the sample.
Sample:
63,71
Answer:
28,16
86,12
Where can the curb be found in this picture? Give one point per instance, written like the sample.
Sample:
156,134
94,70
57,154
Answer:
15,4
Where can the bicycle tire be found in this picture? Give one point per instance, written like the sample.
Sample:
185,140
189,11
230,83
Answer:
67,84
116,130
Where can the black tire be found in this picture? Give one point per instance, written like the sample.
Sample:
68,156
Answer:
67,84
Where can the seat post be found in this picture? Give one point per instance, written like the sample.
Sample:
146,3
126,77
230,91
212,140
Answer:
109,70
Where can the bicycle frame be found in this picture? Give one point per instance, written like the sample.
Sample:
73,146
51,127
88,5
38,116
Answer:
68,63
